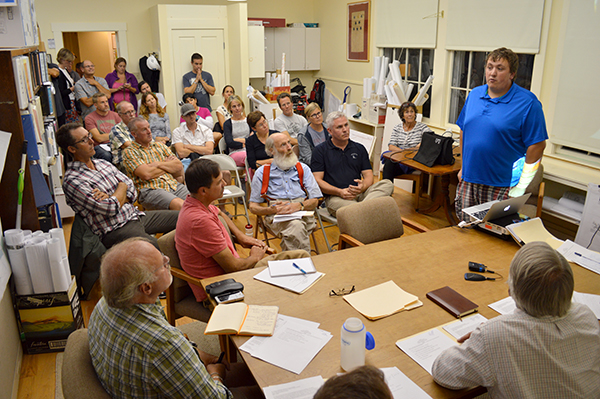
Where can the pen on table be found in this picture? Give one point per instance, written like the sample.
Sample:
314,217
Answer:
221,357
299,268
585,257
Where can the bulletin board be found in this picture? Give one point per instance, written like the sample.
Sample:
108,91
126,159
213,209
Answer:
359,21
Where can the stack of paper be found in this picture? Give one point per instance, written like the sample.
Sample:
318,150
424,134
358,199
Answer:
292,216
296,283
293,345
582,256
532,230
507,305
425,347
400,385
370,304
291,267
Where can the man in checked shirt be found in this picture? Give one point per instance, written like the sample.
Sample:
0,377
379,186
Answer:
102,195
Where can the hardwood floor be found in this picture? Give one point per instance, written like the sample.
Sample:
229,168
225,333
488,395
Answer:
37,379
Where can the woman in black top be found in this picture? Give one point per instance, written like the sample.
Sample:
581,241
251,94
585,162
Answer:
255,144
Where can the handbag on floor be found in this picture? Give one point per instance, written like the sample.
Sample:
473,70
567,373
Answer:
435,149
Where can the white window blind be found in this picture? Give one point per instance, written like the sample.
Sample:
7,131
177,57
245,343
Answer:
476,25
406,23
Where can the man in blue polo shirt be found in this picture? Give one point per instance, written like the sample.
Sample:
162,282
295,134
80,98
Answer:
503,133
342,168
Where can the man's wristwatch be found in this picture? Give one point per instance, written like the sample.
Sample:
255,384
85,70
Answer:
301,206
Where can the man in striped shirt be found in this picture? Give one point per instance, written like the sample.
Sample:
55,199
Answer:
154,169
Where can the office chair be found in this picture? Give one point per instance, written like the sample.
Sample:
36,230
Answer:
371,221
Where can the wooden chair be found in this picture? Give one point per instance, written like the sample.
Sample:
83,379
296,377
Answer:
180,299
533,206
371,221
417,178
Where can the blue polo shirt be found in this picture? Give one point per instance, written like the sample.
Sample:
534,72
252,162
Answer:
341,167
497,133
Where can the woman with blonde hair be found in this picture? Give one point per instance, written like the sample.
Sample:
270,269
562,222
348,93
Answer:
156,117
66,86
315,133
236,130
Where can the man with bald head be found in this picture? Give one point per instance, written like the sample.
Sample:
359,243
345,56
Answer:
154,169
286,186
87,86
135,351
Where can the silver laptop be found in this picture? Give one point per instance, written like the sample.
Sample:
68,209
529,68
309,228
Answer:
496,209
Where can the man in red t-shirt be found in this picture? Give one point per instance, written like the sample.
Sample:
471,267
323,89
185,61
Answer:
99,123
202,241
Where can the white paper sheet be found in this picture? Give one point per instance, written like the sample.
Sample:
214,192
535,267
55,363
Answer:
292,347
504,306
15,241
292,216
587,233
278,268
4,142
424,348
591,300
39,265
59,277
583,257
301,389
295,284
402,386
461,327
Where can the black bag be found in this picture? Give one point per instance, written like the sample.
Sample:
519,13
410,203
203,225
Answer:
435,149
317,94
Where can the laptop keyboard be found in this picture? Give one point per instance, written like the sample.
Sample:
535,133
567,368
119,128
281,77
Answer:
480,214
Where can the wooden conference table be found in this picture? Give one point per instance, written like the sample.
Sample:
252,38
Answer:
418,264
444,171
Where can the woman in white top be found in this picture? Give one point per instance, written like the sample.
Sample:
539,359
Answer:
145,88
407,134
222,112
236,130
156,117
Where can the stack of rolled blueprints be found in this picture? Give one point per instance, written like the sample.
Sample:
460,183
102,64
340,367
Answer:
38,261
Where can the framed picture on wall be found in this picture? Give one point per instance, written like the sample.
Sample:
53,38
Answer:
359,15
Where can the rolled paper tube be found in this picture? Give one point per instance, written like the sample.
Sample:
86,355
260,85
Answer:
39,266
399,93
14,240
60,234
59,277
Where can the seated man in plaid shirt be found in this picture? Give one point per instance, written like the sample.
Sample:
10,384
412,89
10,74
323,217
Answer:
102,195
155,170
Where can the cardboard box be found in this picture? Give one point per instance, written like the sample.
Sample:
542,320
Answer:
376,114
270,22
46,320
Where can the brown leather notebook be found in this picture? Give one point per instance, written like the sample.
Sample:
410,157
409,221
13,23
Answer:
452,301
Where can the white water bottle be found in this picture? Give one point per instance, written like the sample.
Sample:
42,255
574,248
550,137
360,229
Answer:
354,340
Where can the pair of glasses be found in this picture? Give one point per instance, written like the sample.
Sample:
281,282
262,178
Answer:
166,263
84,140
341,291
316,115
89,66
132,112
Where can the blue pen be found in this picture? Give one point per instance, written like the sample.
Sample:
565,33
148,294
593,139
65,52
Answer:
299,268
584,257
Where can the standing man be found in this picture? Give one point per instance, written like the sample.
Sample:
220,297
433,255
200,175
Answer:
102,195
135,351
285,193
99,123
155,170
503,136
191,139
87,86
120,137
342,168
199,82
293,123
548,347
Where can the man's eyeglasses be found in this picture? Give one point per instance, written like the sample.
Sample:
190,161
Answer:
89,66
342,291
83,140
132,112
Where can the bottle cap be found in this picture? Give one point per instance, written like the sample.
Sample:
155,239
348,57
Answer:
353,325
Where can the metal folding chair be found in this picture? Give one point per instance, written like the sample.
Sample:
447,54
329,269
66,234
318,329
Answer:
234,191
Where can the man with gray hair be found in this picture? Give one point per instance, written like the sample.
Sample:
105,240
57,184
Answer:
548,347
135,351
120,137
287,186
342,168
154,169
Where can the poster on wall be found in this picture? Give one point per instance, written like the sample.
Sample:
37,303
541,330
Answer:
359,15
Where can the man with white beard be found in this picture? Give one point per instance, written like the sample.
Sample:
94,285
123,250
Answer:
286,186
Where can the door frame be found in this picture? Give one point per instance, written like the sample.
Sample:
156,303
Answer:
119,27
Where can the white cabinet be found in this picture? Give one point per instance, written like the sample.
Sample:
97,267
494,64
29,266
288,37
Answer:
256,51
302,48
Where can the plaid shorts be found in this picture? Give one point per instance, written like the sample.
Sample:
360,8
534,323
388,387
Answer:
470,194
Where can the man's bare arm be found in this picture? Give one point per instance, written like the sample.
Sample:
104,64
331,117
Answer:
99,137
535,152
